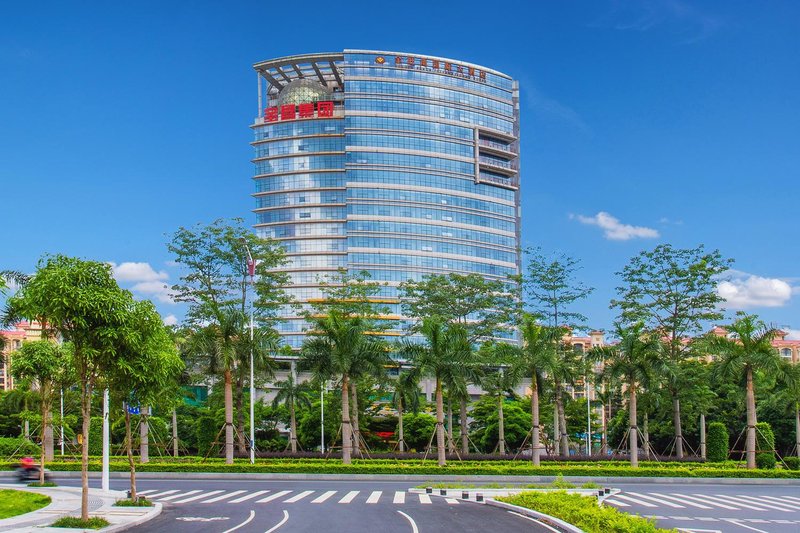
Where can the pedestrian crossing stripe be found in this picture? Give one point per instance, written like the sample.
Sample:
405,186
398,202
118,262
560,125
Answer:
198,496
731,502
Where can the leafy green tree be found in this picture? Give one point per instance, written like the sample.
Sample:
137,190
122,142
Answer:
46,364
747,352
446,355
405,395
81,301
292,394
672,291
635,360
418,429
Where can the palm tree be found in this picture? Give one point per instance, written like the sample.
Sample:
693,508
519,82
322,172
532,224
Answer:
292,394
498,384
565,369
264,343
446,356
747,351
635,360
340,345
405,395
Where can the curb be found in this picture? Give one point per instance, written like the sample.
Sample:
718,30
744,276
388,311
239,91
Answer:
155,510
548,520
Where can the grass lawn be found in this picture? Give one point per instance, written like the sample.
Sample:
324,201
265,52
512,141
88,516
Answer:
17,502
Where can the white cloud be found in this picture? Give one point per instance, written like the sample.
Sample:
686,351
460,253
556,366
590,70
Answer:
170,320
792,334
154,289
136,272
615,230
745,290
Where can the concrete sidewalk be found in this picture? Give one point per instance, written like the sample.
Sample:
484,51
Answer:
66,501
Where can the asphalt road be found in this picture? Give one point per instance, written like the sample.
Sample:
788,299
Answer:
224,506
738,508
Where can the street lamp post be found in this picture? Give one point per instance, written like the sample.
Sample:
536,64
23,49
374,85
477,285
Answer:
251,270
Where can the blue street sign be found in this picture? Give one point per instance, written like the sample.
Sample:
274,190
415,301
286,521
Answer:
133,410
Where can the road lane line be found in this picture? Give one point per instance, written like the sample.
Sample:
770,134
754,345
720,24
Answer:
199,496
424,498
738,523
790,498
249,496
349,496
399,497
770,505
174,496
411,521
298,497
279,524
534,520
274,496
234,528
224,496
633,500
775,499
375,496
325,496
159,494
657,500
738,502
708,501
614,502
684,502
451,501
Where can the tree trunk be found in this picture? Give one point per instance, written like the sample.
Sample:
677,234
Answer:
129,451
556,433
604,443
228,418
501,430
562,423
45,426
86,413
174,433
451,444
703,436
144,437
634,438
240,432
400,436
646,435
440,449
48,430
463,426
354,419
751,421
676,421
292,427
536,436
346,429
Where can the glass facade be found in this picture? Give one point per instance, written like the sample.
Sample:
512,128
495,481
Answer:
396,164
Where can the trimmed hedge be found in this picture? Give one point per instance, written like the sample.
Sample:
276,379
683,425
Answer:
792,463
583,512
717,442
18,446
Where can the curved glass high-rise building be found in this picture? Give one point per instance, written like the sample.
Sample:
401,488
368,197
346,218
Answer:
393,163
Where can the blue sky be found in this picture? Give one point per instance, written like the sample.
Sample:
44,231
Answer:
643,121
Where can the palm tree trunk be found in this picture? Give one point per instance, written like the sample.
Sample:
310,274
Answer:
646,435
228,418
129,451
676,421
634,429
556,433
86,413
174,433
293,426
354,419
144,435
463,426
451,445
562,423
400,436
440,450
347,440
536,436
501,430
751,421
703,436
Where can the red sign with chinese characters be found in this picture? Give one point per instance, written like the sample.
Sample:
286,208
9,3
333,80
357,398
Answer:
436,65
292,111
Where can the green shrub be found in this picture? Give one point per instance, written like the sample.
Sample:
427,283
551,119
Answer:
206,430
19,447
765,438
75,522
765,461
717,442
141,502
583,512
417,430
792,463
95,437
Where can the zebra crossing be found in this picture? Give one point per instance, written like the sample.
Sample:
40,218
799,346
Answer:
706,502
199,496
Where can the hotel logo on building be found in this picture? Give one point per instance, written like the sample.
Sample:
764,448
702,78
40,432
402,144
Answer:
436,65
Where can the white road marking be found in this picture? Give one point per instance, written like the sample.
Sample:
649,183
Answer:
691,504
349,496
451,501
411,520
202,518
657,500
533,520
708,501
169,498
298,497
779,501
399,497
791,498
146,491
375,496
734,501
275,496
164,493
424,498
614,502
633,500
738,523
249,496
199,496
770,505
250,519
325,496
224,496
279,524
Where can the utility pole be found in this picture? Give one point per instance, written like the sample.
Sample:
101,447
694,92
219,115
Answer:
251,270
105,482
